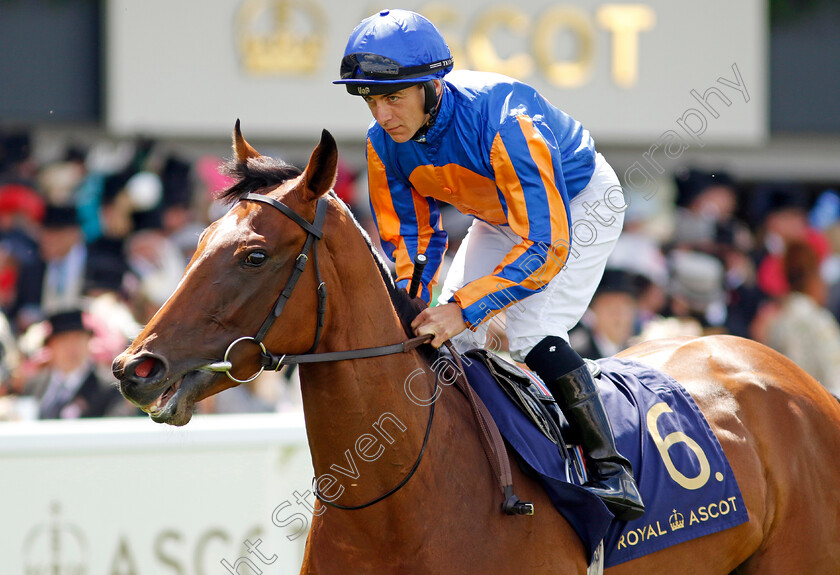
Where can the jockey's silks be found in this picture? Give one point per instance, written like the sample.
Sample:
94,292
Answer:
498,151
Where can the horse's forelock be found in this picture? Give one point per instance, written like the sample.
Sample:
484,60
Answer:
254,175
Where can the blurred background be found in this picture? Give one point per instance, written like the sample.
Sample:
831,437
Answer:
721,119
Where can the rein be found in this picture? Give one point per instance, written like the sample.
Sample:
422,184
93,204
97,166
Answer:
492,442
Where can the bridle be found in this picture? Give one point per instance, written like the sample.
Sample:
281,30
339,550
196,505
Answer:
274,362
492,441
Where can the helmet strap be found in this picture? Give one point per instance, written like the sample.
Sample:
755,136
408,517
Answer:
430,107
431,96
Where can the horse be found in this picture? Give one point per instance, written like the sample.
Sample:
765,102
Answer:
423,498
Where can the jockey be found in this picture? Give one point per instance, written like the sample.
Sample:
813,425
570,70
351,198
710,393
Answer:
493,148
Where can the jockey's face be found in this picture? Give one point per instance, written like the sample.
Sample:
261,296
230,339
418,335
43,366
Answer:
399,113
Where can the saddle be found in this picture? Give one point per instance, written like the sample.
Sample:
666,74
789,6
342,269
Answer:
531,397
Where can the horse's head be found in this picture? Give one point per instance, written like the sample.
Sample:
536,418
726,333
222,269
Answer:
231,286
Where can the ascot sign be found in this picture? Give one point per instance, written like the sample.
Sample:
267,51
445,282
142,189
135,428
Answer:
269,41
625,70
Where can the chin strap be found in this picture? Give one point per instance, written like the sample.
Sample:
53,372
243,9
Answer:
432,107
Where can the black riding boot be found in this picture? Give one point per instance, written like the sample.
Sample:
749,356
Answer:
611,475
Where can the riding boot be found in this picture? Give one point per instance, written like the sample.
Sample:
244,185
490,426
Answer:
611,475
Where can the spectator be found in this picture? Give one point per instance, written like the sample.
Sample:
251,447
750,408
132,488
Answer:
21,267
64,251
706,221
783,213
696,297
641,256
804,330
178,217
9,355
609,322
109,313
825,216
70,387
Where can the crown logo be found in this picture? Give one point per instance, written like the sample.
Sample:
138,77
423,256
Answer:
280,36
55,546
676,520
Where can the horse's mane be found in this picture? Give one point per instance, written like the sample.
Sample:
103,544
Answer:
263,172
254,175
403,305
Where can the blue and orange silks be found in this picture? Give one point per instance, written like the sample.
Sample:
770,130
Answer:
500,152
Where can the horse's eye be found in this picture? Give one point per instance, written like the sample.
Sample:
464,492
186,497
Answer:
255,259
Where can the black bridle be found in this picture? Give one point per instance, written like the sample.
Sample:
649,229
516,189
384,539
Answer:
274,362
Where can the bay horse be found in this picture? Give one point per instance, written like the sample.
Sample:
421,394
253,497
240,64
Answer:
779,429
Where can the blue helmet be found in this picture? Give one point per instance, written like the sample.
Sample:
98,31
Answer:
392,50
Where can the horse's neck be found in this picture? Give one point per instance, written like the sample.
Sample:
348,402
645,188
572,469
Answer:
364,429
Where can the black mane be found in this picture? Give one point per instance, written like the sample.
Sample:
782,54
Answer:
254,175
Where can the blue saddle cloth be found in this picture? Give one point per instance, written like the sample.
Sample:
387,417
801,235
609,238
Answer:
685,480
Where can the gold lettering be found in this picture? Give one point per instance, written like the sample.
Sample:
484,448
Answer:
659,527
693,519
625,22
732,501
481,45
641,531
720,507
572,73
621,543
635,537
710,511
123,561
704,516
651,532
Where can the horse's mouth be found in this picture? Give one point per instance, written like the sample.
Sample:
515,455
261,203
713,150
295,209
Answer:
158,406
175,405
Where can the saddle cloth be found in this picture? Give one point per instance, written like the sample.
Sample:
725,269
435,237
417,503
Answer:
685,480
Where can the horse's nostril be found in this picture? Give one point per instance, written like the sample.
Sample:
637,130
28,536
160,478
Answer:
145,368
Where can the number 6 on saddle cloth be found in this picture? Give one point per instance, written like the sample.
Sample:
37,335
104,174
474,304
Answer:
676,458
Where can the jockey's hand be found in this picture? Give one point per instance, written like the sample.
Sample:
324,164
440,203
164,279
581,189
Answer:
419,304
443,321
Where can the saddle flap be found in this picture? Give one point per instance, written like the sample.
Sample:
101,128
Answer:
539,407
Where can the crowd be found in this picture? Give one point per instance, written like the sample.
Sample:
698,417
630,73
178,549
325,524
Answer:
94,240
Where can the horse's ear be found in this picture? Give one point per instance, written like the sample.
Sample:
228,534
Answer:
241,148
321,171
